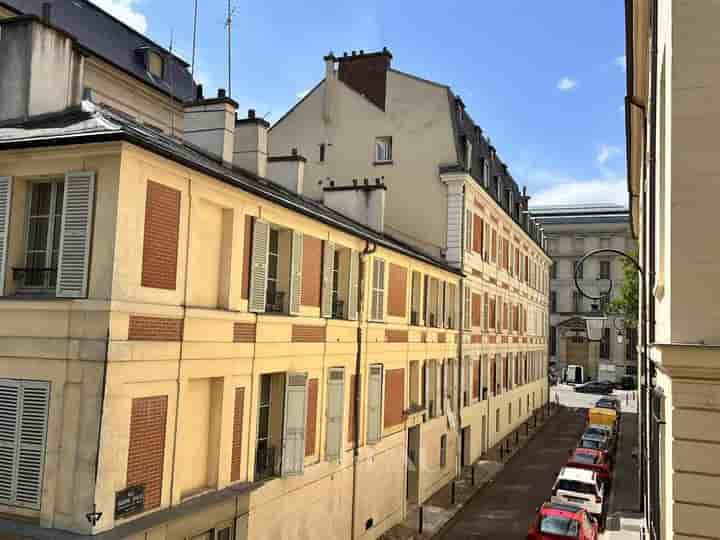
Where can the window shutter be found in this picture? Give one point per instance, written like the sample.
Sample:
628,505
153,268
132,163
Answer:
426,301
258,270
442,387
353,276
9,409
6,183
77,218
439,307
296,273
335,406
374,403
327,278
426,388
293,450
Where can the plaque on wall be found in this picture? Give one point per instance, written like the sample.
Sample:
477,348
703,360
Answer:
129,501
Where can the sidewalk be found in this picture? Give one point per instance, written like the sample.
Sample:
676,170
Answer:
439,509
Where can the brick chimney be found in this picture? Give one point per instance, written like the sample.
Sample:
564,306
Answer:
366,73
251,144
362,201
210,124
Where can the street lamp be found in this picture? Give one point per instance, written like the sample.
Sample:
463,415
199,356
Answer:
595,324
619,330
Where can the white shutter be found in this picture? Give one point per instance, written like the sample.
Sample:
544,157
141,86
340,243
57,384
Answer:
258,269
9,423
374,429
335,406
444,309
353,277
440,385
426,388
426,300
23,426
77,219
6,184
293,449
296,273
328,263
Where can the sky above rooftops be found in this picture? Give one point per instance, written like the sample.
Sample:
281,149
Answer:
545,80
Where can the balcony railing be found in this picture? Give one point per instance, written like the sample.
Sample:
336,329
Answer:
414,318
265,463
34,277
338,311
275,303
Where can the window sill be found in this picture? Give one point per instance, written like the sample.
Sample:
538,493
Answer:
381,163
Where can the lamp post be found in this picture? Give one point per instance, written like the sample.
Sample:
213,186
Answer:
645,369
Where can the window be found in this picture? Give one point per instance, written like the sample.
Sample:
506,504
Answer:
337,304
156,64
604,270
467,380
497,420
334,416
443,450
486,312
577,302
467,310
416,297
24,406
578,268
430,390
468,230
274,298
378,290
43,234
498,194
553,302
579,243
467,149
383,149
321,157
451,305
605,344
486,173
414,383
553,270
374,403
553,342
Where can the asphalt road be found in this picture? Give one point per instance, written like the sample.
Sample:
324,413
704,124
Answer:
504,509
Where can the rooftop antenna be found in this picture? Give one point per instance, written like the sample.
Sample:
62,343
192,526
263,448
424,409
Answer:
231,9
194,39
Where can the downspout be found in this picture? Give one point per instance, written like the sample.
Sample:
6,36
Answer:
356,394
461,300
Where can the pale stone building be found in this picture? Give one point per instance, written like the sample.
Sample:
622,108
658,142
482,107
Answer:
672,113
190,348
571,232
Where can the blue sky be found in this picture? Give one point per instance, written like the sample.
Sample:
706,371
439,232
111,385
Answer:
545,80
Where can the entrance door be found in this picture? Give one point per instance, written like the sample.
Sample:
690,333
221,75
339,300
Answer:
413,464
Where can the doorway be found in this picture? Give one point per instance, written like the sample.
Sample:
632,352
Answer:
413,464
465,444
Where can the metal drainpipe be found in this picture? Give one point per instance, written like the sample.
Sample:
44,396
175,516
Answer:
461,299
356,394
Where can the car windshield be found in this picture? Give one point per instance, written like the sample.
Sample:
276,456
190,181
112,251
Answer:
585,458
594,430
590,443
606,404
560,526
577,487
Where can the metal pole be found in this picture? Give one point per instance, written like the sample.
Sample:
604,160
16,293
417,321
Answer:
420,519
452,492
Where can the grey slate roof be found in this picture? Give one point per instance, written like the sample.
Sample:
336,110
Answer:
113,41
580,214
92,123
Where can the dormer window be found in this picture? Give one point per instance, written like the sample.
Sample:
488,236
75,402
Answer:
154,62
468,153
486,173
510,201
499,188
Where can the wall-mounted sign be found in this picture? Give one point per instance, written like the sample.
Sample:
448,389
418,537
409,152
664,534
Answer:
129,501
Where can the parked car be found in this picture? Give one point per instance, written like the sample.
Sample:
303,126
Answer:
602,430
606,417
595,387
581,487
628,382
609,402
555,520
592,460
596,442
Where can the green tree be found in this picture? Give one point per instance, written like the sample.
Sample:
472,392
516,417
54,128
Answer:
626,303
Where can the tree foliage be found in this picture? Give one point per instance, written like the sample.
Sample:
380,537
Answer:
627,301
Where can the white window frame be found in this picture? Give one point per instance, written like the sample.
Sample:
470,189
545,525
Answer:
383,149
377,312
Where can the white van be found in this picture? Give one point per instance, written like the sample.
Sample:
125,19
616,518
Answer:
581,487
573,374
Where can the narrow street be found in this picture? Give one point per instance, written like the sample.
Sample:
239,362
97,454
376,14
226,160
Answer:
506,507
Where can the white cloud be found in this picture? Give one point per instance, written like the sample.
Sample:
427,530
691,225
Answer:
605,153
574,191
621,62
304,93
566,83
126,11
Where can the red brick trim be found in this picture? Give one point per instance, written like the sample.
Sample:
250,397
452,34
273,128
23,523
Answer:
236,458
311,422
244,332
146,450
141,328
160,244
394,397
396,336
308,334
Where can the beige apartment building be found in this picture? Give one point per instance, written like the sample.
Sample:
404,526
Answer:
192,349
671,115
571,232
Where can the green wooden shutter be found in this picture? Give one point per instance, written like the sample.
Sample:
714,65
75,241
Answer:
375,382
334,414
296,265
258,270
76,233
6,184
328,264
293,449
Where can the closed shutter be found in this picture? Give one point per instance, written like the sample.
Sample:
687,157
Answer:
296,273
426,387
23,426
6,184
335,406
374,399
426,301
353,277
258,269
441,387
327,278
77,218
293,449
439,307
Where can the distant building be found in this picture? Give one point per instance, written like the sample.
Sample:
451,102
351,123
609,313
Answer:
572,231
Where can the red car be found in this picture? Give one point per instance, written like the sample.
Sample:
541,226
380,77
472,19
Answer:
593,460
559,521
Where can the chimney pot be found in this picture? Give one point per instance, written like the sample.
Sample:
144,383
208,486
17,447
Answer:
294,151
377,181
365,181
251,113
354,53
199,92
221,93
355,182
362,51
46,11
344,53
332,183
